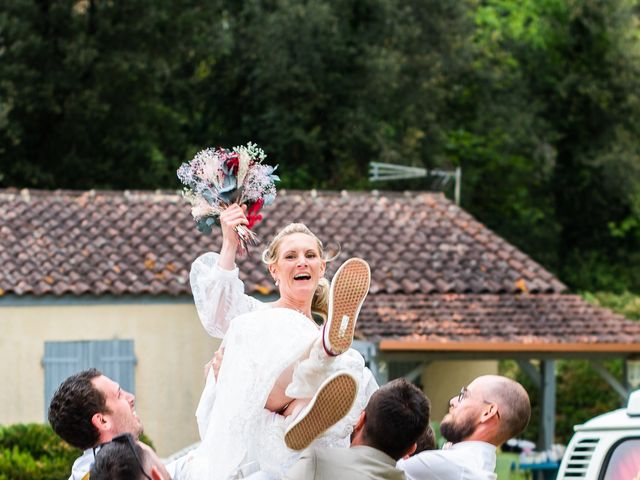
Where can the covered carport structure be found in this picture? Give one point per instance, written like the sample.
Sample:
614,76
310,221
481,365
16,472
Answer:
533,330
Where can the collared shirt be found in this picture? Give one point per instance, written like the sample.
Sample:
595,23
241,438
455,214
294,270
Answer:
82,465
462,461
354,463
174,468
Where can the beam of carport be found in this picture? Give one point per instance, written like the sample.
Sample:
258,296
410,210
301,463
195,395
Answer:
544,379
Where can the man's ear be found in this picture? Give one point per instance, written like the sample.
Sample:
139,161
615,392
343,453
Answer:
410,451
490,413
155,474
100,422
360,423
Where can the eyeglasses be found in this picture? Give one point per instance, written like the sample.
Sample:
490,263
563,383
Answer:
464,391
463,394
125,439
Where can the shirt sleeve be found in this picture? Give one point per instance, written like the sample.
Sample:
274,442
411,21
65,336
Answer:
218,294
429,464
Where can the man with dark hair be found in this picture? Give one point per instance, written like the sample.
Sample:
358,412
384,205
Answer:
124,458
394,419
485,414
89,409
427,441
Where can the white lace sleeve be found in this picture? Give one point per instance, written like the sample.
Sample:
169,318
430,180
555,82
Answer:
218,294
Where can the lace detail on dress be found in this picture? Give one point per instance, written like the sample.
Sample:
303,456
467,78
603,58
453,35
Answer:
260,342
218,294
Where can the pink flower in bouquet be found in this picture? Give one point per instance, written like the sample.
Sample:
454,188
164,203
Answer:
218,177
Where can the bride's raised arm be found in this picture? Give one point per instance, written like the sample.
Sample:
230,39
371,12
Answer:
218,292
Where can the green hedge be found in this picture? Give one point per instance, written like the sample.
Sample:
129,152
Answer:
34,452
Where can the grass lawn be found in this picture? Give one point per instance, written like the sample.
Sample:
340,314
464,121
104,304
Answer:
503,467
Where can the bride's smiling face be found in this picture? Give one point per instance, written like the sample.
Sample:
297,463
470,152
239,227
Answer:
298,266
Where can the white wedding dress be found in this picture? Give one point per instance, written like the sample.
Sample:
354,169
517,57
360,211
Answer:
260,342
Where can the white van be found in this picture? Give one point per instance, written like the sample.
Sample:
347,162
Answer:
606,447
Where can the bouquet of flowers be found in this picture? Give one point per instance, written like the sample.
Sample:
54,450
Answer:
219,177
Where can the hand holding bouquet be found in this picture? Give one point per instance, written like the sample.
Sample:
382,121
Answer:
218,177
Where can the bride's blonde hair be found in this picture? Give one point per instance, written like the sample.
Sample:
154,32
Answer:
320,302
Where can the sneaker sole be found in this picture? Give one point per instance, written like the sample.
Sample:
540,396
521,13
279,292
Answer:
349,288
330,405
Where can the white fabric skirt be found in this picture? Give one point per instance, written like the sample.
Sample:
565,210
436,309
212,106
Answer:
234,426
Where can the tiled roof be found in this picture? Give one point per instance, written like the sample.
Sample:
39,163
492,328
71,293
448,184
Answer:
438,274
469,318
56,243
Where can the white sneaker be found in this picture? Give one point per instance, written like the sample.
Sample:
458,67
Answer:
329,405
349,288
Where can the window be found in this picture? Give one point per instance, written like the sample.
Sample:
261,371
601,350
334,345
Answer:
624,461
114,358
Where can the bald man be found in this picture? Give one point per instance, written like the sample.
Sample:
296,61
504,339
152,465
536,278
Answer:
485,414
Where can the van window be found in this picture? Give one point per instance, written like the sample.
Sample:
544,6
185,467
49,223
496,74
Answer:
624,461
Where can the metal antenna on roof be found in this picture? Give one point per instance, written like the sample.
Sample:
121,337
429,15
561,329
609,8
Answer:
383,172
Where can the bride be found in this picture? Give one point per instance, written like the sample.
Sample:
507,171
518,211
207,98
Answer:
284,382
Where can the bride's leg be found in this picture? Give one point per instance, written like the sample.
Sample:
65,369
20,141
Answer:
349,288
309,374
279,399
312,395
295,406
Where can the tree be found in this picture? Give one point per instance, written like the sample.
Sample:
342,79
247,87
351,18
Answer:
558,134
86,87
329,86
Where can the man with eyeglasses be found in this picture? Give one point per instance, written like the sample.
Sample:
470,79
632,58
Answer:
485,414
88,410
124,458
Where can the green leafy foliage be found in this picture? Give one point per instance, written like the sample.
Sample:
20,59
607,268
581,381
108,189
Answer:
627,304
34,452
581,394
536,100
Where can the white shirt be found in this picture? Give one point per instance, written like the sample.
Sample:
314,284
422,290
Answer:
462,461
82,465
174,468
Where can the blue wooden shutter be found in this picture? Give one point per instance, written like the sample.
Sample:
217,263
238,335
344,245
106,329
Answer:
115,358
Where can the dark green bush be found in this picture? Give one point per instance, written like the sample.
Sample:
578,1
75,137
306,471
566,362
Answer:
34,452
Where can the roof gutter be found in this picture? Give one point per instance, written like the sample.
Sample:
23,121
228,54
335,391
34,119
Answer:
494,347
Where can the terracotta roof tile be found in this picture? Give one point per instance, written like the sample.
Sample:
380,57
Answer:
546,318
438,274
144,242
